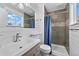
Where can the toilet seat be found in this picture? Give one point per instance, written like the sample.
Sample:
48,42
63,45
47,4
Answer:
45,48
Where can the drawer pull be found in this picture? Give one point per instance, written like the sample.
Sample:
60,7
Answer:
33,54
20,47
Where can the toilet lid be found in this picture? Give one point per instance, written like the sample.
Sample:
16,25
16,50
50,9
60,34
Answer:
45,47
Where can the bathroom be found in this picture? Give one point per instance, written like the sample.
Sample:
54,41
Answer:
37,29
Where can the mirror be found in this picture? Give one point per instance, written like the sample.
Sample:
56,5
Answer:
29,17
29,21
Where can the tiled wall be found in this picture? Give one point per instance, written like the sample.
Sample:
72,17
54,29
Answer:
58,27
67,32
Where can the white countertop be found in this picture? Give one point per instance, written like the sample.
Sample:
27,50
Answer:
13,48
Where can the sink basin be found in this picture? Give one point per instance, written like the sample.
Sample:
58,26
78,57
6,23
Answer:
16,48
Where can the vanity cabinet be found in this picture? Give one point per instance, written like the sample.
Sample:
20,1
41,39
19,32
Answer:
35,51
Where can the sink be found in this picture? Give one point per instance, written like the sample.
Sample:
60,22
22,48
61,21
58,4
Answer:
15,48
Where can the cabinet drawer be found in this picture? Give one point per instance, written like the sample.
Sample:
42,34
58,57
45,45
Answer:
35,51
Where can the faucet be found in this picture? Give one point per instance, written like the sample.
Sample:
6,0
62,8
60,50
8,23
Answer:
17,37
33,35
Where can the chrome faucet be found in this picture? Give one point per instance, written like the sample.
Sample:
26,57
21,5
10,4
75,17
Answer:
17,37
32,35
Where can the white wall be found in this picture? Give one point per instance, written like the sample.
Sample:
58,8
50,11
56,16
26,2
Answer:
74,40
72,13
39,18
73,34
3,17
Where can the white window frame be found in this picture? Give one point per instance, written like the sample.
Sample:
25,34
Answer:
72,13
14,25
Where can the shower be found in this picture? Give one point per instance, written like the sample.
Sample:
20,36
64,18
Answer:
59,31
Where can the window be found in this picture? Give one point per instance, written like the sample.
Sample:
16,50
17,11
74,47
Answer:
18,20
77,12
77,9
10,18
14,20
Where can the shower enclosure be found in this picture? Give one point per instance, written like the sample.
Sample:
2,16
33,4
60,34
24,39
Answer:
59,29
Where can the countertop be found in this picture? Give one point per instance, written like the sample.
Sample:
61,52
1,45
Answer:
19,48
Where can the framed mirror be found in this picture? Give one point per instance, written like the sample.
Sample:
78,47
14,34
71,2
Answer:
29,17
29,21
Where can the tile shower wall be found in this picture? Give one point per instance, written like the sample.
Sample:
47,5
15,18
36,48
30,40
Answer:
67,32
58,27
61,27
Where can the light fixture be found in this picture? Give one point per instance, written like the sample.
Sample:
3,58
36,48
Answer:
21,6
27,4
14,3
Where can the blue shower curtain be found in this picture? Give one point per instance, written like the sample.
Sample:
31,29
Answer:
47,30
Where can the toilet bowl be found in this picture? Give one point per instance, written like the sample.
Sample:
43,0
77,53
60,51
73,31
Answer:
45,50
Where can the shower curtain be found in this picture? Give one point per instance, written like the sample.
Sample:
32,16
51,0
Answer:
47,30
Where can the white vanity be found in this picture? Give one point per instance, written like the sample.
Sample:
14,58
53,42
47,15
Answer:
24,47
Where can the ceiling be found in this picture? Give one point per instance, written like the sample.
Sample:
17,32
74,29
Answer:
26,9
29,9
50,7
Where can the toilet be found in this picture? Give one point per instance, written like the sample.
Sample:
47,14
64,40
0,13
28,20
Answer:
45,50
